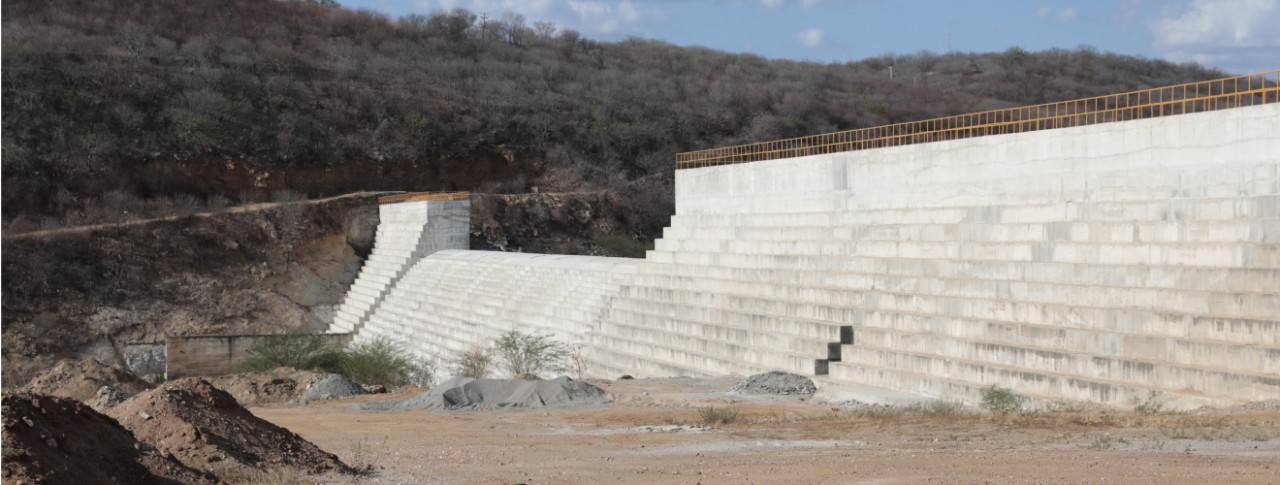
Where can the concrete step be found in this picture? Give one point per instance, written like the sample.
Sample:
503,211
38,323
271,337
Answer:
750,254
1121,365
825,329
660,361
861,268
829,209
1228,231
638,322
949,377
757,353
1089,310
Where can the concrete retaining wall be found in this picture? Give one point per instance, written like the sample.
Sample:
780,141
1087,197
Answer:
218,354
1108,263
407,232
1112,263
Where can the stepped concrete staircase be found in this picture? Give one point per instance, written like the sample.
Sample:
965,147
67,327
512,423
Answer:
1114,263
408,230
453,301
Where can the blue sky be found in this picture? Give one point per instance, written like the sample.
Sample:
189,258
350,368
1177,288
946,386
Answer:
1238,36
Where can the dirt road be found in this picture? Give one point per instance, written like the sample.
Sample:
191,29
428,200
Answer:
654,433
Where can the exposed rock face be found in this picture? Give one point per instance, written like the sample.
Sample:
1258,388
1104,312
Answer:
246,270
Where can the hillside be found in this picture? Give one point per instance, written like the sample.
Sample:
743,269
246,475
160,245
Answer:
138,135
186,103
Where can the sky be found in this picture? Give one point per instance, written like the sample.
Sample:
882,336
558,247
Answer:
1238,36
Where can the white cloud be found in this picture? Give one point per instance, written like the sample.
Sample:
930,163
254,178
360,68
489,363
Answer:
1064,15
811,37
1239,35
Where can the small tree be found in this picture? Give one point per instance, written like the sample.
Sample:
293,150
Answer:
1001,400
526,355
473,363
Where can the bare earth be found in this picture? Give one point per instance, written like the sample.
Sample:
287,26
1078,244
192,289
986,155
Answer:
654,434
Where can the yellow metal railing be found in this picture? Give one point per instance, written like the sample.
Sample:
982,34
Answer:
421,196
1246,90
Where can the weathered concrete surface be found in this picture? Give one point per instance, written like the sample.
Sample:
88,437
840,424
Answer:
407,232
1102,263
453,300
1109,263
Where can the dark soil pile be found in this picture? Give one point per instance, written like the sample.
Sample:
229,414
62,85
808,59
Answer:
777,382
205,427
56,440
80,379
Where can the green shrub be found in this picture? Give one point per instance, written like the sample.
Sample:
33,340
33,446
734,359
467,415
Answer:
527,355
1000,400
296,350
473,363
712,416
382,362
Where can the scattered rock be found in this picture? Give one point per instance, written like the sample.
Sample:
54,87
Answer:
201,424
778,383
107,396
332,386
626,377
51,439
460,393
374,389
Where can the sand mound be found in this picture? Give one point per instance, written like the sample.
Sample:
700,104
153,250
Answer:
58,440
203,425
461,393
80,379
776,382
332,386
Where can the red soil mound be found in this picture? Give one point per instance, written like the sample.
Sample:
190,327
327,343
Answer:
56,440
206,428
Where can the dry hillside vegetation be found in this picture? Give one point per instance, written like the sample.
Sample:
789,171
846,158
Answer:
185,103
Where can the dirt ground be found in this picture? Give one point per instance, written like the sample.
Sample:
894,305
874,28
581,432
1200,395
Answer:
655,433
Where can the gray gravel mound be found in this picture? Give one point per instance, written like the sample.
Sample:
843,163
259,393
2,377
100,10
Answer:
460,394
777,382
332,386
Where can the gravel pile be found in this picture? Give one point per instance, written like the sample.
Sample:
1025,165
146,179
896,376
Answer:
332,386
460,393
777,383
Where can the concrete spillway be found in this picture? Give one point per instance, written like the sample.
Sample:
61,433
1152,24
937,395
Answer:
1105,263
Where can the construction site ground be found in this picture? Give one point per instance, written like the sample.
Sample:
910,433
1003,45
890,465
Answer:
657,431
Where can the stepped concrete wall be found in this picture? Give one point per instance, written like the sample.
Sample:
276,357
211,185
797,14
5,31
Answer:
407,232
1109,263
453,301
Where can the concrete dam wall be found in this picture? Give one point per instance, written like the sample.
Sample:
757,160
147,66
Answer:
1109,263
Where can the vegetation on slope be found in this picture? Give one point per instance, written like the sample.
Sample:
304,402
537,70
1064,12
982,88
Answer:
186,102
